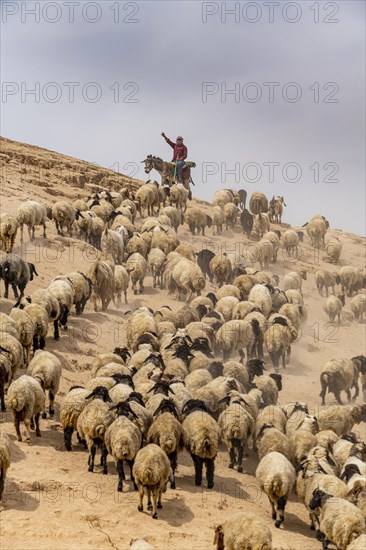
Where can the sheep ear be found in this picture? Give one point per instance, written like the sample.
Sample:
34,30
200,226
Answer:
330,460
224,401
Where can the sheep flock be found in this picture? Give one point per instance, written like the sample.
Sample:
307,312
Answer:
154,354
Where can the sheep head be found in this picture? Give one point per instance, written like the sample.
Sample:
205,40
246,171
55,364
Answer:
100,392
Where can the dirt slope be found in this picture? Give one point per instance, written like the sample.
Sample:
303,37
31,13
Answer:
50,500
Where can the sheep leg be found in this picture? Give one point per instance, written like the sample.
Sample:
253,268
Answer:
119,467
322,394
159,500
140,507
42,342
104,459
154,505
35,344
281,503
44,231
210,471
173,464
56,333
15,290
283,353
338,398
232,458
17,418
125,292
357,390
51,410
240,458
67,437
27,428
93,450
141,286
38,431
198,466
149,504
6,291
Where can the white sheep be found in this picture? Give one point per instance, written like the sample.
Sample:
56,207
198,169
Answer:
121,282
333,249
276,477
47,368
136,267
26,399
237,425
231,212
155,263
244,531
8,231
187,278
101,274
64,215
358,306
290,242
316,229
151,473
261,297
71,406
333,307
5,458
293,280
113,245
26,329
325,279
221,268
31,214
217,219
261,224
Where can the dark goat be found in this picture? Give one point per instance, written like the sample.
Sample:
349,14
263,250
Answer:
203,261
246,221
16,272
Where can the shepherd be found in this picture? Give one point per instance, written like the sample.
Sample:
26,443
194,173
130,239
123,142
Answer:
180,153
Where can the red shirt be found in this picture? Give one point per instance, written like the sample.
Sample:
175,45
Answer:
180,151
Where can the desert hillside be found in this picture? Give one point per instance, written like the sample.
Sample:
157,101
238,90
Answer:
50,499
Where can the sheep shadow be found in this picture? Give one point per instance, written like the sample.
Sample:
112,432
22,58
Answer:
17,454
15,498
176,512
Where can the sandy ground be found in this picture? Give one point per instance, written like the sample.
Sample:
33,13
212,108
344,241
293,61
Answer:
50,500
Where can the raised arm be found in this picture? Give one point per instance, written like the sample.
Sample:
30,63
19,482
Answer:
168,140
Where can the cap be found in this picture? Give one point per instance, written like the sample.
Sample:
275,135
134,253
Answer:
179,137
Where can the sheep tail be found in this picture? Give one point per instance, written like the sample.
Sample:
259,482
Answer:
206,445
17,402
324,380
277,486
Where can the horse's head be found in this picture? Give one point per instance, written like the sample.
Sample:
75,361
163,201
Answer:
149,164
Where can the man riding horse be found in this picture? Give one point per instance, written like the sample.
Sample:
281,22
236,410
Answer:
176,171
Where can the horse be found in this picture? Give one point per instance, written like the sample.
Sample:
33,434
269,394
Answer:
167,171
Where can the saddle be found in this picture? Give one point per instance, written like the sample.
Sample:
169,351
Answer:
188,163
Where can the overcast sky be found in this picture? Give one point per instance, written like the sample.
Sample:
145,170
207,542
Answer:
135,69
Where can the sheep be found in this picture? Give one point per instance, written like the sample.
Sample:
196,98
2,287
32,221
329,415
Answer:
101,207
358,544
245,283
269,386
5,458
47,368
294,297
174,215
147,197
277,339
226,306
121,282
237,335
290,242
236,425
165,239
325,279
246,221
16,272
82,286
9,326
151,472
333,307
293,280
64,216
275,241
11,358
63,291
40,318
271,414
96,230
187,277
315,482
71,406
244,531
341,375
123,440
26,330
141,321
217,219
221,268
31,214
258,203
102,276
8,231
119,356
276,477
341,420
276,208
316,230
26,399
179,197
260,296
231,212
358,306
201,439
186,251
166,431
196,218
155,263
112,244
351,279
93,422
270,439
333,249
341,522
325,438
261,224
224,196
